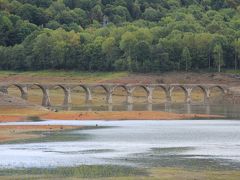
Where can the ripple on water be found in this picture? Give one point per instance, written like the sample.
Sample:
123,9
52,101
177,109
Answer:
196,144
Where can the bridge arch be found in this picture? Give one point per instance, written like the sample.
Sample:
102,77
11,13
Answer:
216,94
79,94
57,94
38,85
198,94
15,89
222,89
100,86
119,94
178,93
99,94
133,88
139,93
160,94
36,93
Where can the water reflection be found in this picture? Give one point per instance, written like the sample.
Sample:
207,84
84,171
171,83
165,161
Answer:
227,110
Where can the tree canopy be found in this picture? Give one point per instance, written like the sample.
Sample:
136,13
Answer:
109,35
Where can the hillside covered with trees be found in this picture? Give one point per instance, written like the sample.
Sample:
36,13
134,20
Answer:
113,35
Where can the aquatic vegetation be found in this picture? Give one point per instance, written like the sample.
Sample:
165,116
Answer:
84,171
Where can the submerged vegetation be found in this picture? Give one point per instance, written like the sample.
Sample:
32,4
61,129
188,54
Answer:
84,171
129,35
116,172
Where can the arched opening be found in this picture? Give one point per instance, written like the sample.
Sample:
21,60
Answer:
78,95
216,95
56,95
139,95
119,95
14,91
159,95
197,95
99,95
178,95
35,94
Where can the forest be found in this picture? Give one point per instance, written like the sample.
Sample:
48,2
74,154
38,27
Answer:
120,35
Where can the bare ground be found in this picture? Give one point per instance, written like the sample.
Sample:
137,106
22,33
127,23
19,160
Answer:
168,78
181,78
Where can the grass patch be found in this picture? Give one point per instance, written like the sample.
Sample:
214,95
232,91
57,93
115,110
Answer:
34,118
63,73
232,71
84,171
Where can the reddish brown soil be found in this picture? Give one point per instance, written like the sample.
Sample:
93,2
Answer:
133,115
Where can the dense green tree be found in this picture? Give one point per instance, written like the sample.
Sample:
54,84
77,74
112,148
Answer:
236,45
5,27
127,43
151,14
33,14
134,35
218,57
186,59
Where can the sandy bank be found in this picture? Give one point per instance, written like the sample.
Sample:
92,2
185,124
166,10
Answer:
109,116
12,133
123,115
118,115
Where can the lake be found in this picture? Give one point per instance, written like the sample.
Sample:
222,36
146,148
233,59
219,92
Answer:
185,143
231,111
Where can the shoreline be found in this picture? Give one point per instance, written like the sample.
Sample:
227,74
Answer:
10,133
124,115
105,115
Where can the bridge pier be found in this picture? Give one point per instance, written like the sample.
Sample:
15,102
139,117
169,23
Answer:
24,92
109,89
149,107
3,89
207,96
109,98
110,107
188,95
46,98
150,95
88,99
67,97
130,107
129,96
169,95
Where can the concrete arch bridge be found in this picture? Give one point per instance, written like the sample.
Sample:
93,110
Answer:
110,88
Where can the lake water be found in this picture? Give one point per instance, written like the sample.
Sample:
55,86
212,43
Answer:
228,110
186,143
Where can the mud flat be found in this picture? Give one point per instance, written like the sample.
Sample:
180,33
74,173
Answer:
14,133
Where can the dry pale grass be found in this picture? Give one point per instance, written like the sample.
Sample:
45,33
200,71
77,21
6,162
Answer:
154,174
184,174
